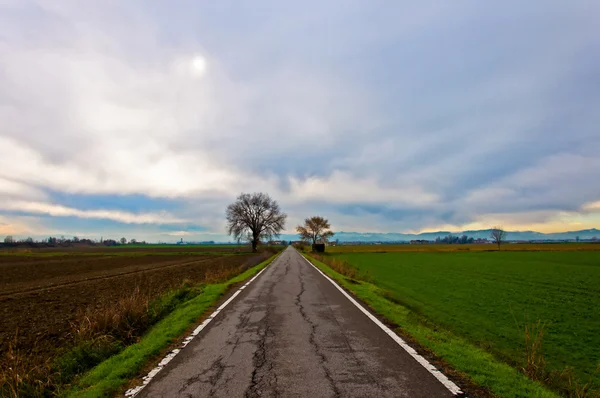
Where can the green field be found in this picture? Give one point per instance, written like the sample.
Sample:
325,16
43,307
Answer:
489,297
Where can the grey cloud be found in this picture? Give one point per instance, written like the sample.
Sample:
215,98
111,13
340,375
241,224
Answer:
480,107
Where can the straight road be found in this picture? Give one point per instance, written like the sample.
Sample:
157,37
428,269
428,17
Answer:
291,333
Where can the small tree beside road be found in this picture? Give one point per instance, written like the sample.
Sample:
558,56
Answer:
254,217
498,235
315,230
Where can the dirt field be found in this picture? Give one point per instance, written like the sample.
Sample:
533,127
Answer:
42,291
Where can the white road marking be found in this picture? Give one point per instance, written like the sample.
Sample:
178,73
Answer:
132,392
454,389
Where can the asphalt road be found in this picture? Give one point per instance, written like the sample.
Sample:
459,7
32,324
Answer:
291,333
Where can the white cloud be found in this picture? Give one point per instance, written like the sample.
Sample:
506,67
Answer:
11,189
63,211
387,111
96,123
179,233
340,187
592,206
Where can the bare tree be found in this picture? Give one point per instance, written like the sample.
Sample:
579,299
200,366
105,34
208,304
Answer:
123,241
254,217
315,229
9,240
498,235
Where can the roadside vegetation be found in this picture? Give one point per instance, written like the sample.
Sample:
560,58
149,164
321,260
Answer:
110,376
536,313
171,290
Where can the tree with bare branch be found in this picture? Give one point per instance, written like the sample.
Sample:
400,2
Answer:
255,217
498,235
314,230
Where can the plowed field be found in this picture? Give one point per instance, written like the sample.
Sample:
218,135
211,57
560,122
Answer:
42,291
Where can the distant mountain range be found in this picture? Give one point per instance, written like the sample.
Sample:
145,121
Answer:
479,234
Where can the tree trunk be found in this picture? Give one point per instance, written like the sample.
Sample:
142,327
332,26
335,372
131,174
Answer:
254,244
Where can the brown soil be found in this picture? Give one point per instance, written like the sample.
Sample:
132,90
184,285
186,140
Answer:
40,294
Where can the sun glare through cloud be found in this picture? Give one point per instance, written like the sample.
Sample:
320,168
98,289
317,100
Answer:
198,66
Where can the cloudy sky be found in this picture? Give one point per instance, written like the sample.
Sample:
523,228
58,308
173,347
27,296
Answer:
146,118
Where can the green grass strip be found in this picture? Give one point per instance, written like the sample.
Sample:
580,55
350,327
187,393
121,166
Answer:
107,378
474,363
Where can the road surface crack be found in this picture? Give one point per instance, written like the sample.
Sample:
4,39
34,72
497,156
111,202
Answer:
346,342
311,339
264,378
214,372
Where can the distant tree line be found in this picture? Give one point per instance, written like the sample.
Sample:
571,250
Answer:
54,241
458,240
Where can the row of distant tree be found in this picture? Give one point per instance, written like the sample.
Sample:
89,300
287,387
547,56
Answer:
497,236
257,218
62,241
458,240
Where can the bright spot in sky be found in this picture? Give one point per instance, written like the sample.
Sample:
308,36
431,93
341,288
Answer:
198,66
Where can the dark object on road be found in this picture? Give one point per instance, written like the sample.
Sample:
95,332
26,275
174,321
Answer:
318,248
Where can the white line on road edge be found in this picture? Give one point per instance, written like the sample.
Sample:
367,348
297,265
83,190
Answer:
132,392
454,389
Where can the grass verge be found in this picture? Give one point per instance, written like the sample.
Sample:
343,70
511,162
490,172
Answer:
468,361
108,377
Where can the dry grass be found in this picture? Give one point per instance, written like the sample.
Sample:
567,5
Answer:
96,334
220,274
124,321
302,247
411,279
21,374
585,390
339,266
535,363
536,368
267,249
99,332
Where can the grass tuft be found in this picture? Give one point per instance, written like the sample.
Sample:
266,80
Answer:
465,359
21,375
109,376
98,333
340,266
536,367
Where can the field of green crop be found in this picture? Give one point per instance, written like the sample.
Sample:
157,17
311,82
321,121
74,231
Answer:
489,297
